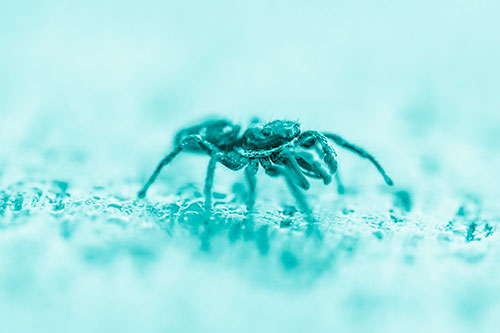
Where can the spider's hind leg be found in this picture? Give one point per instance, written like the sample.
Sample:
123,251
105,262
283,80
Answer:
142,193
187,143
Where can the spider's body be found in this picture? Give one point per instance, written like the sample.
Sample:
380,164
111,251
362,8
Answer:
269,136
220,132
279,146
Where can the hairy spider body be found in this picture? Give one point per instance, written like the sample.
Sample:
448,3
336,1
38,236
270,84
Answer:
219,132
272,135
279,147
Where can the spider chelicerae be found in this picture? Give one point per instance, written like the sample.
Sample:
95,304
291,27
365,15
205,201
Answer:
279,146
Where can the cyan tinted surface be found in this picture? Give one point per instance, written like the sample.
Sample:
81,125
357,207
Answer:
91,96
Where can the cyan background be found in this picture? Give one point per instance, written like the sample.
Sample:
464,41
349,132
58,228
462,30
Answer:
91,94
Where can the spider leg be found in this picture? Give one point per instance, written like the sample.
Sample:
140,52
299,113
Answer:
315,170
274,171
360,152
312,168
250,174
340,186
209,182
309,138
231,160
290,162
142,193
188,141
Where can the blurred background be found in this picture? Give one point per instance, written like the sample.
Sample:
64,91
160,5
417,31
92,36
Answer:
126,75
92,92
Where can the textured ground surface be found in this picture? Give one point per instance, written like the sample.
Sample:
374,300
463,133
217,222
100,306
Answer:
91,97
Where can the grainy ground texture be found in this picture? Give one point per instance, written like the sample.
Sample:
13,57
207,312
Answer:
91,96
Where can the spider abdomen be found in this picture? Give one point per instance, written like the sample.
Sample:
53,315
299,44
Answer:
221,133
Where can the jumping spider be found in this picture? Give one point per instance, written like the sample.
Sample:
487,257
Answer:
279,146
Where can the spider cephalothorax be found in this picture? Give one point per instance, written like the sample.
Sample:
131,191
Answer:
270,135
279,146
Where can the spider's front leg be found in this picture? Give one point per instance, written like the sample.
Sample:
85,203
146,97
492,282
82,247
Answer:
275,171
310,138
340,185
288,160
360,152
312,168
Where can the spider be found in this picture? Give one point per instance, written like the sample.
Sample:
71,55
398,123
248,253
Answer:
279,146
